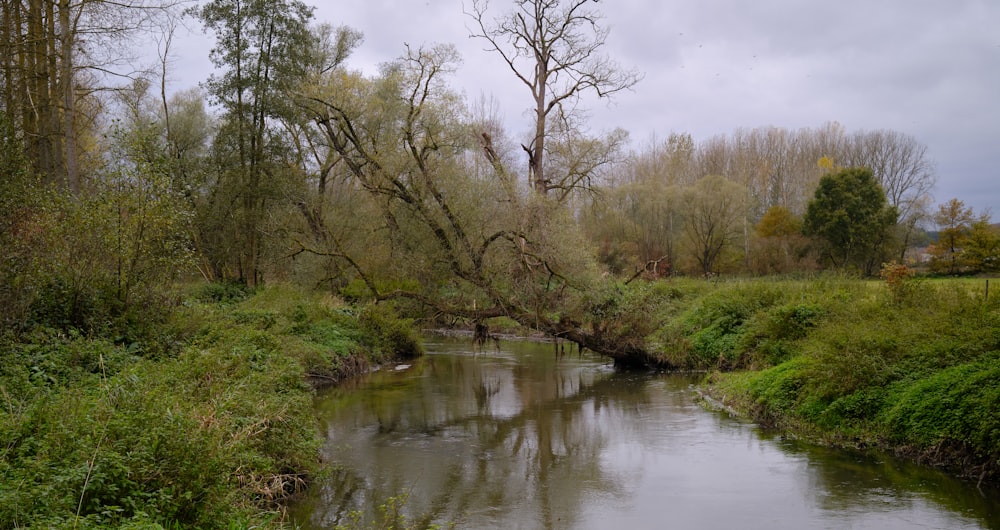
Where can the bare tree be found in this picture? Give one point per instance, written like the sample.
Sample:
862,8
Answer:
898,161
553,47
902,167
714,217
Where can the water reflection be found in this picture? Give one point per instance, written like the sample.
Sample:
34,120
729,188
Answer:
523,439
847,483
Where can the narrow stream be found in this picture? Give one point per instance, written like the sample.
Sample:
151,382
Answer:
522,438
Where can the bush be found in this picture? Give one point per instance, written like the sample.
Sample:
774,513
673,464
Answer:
958,403
97,436
717,328
388,335
223,292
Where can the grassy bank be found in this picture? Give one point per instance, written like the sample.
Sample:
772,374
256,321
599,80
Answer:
910,366
205,423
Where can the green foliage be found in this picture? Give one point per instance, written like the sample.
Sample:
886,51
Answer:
223,292
966,243
387,334
982,249
263,51
850,216
626,312
958,403
716,326
20,234
903,288
779,246
868,368
714,211
97,262
778,221
98,434
771,335
776,391
954,220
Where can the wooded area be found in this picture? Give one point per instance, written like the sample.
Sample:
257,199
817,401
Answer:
288,165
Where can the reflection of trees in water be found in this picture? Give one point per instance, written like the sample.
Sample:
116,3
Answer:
532,442
477,438
848,481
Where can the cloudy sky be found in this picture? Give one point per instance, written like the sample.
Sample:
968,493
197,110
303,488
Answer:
926,68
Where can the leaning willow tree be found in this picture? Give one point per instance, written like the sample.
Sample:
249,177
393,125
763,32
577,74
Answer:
446,222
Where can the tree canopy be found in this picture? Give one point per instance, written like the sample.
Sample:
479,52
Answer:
850,219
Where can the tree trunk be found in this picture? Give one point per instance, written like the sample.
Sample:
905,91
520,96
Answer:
69,98
536,157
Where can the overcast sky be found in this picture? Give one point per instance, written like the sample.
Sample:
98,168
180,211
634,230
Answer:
926,68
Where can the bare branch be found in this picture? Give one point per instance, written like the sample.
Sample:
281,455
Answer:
553,48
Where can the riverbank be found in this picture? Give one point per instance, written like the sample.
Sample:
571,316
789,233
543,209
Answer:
205,421
910,367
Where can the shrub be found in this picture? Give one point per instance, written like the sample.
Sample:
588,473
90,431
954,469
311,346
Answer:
97,436
386,334
958,403
920,371
716,326
223,292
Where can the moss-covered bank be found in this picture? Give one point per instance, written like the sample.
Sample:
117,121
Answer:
910,366
206,423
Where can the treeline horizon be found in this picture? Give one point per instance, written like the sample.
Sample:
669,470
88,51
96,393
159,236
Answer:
640,217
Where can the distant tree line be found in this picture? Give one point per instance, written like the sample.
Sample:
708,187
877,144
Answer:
737,203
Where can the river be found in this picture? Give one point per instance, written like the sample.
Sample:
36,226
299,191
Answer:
521,437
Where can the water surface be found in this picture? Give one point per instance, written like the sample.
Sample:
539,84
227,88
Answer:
524,438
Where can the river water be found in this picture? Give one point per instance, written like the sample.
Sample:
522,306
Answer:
524,438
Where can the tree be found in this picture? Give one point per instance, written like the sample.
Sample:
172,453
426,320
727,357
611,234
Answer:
901,165
264,49
19,227
954,220
441,230
553,47
143,222
54,56
964,239
850,219
778,245
712,218
982,246
635,217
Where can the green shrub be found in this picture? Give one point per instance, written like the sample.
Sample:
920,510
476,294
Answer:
388,335
771,336
259,319
777,389
98,434
223,292
852,416
958,403
716,325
